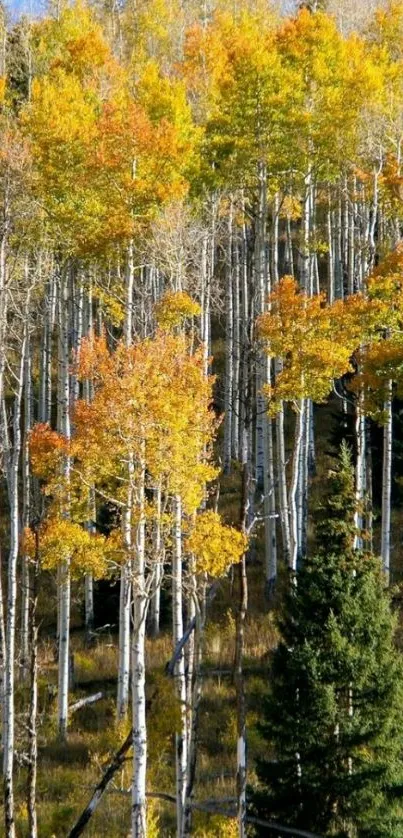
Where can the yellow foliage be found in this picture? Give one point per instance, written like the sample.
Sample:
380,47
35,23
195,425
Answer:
174,308
215,545
61,540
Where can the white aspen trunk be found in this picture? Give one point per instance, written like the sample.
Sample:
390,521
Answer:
2,653
360,470
294,501
125,606
244,350
229,351
386,483
241,773
155,605
180,678
26,511
128,325
204,300
283,505
275,240
195,700
269,503
33,702
289,254
261,289
351,241
139,814
237,351
303,483
9,717
306,261
126,571
330,259
86,329
64,588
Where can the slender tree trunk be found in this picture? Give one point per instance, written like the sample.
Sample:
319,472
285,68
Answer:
386,482
2,652
180,677
229,351
155,605
9,717
64,589
139,818
26,510
124,609
360,470
241,775
33,702
294,502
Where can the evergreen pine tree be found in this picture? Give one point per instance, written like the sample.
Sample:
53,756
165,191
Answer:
333,715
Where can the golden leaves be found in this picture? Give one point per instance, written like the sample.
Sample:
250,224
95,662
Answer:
174,308
215,545
315,341
61,540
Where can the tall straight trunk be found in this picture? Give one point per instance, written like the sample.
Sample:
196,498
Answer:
351,240
193,733
360,439
139,818
155,605
229,351
269,501
237,352
331,292
283,504
180,676
294,501
261,289
386,482
125,602
241,775
306,261
26,510
88,388
64,428
33,700
2,651
9,717
125,596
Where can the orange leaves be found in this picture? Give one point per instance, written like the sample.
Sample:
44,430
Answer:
47,450
148,399
215,545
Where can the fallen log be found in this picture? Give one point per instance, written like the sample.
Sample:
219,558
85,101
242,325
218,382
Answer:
82,702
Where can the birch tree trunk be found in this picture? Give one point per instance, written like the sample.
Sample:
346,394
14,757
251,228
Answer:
229,352
294,502
180,677
126,571
386,483
9,717
33,701
155,605
241,775
64,428
26,510
139,818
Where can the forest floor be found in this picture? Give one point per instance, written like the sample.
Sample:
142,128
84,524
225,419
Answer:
68,772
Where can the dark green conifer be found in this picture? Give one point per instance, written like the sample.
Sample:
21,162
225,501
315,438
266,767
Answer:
333,716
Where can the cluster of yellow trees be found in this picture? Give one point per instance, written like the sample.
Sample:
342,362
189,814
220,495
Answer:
172,174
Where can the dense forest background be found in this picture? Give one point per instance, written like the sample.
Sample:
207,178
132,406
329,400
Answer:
201,434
